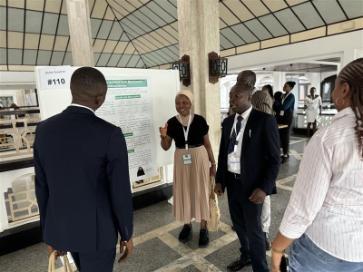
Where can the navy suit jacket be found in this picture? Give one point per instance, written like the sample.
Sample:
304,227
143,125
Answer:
82,182
260,156
288,107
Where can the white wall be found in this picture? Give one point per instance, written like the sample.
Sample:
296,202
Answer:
327,74
348,46
17,80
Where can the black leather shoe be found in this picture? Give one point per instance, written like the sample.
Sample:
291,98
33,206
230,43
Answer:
186,233
267,241
284,158
239,264
203,238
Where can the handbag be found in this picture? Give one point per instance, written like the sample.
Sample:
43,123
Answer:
52,259
215,214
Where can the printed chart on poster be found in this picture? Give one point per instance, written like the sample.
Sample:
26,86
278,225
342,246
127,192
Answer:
129,105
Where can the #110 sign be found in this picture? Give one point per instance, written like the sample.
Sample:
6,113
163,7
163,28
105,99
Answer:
57,77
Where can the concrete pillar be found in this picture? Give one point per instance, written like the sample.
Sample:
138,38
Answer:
198,27
278,81
79,24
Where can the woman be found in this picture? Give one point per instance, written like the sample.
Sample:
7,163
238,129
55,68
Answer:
325,212
286,115
193,165
312,110
262,100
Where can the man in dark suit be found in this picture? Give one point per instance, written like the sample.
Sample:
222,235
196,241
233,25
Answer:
249,160
82,179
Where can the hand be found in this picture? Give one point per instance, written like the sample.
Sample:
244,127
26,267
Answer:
218,189
58,253
126,248
275,261
163,130
257,196
212,170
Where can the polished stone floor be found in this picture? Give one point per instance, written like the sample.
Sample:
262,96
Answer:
156,245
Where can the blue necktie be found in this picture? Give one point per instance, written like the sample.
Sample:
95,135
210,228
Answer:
233,138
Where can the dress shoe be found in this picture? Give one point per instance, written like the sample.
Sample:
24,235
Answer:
186,233
284,158
203,238
239,264
267,241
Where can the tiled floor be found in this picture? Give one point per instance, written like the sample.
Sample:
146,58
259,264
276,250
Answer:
156,245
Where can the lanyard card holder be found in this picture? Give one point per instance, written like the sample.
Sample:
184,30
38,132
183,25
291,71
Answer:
187,159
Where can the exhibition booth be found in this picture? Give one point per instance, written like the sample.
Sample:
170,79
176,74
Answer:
138,101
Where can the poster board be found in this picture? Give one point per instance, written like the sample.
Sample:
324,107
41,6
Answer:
138,100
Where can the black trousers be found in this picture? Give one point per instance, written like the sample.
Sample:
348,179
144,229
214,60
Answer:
311,129
96,261
285,134
246,219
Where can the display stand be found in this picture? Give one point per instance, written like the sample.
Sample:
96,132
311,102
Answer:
19,215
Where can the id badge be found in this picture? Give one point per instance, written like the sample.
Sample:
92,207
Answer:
187,159
282,113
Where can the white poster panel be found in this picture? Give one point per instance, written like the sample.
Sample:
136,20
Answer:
53,87
128,105
138,101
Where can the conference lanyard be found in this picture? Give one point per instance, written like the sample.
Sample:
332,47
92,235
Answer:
239,135
186,131
285,96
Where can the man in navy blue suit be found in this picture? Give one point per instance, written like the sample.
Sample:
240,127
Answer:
248,164
82,179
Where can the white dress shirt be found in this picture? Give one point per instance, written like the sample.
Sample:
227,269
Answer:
81,106
234,158
327,200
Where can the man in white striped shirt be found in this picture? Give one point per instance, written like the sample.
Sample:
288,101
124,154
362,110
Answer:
325,212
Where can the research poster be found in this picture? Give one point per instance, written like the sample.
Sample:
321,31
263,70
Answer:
129,105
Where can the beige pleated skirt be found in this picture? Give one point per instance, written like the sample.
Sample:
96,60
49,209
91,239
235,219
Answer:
191,185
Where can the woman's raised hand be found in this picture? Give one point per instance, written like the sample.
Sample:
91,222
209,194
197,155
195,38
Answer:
163,130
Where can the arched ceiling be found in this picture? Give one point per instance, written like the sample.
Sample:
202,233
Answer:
144,33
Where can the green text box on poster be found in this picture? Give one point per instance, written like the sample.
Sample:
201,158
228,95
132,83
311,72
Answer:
130,83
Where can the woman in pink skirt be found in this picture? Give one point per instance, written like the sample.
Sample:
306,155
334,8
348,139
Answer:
193,166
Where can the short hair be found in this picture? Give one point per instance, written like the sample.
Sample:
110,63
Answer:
291,84
278,96
238,87
88,82
246,79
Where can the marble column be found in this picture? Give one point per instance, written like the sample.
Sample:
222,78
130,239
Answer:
198,27
79,24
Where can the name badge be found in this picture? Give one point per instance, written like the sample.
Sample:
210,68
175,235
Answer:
282,113
187,159
235,147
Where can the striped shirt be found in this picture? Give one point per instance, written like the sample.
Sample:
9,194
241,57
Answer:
262,101
327,200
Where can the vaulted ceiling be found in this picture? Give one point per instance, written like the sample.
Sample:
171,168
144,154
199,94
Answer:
144,33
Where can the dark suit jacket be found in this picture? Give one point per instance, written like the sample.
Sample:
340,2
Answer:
260,156
288,107
82,182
